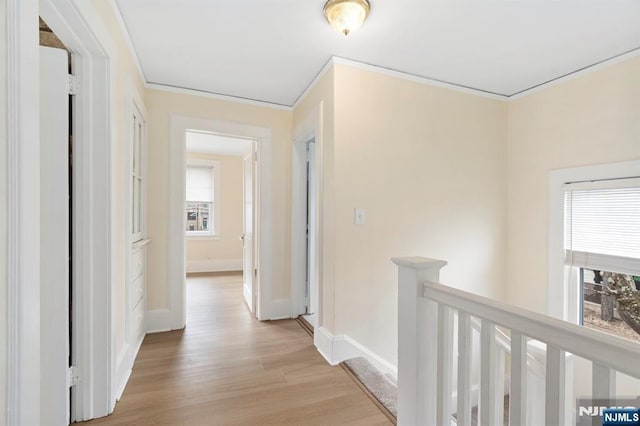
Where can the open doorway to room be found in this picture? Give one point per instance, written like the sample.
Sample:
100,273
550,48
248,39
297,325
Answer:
305,232
257,210
219,216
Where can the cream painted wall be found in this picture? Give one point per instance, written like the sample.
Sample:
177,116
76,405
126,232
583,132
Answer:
125,77
227,244
3,217
592,119
161,105
305,110
429,167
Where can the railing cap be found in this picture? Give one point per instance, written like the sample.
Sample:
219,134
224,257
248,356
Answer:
419,263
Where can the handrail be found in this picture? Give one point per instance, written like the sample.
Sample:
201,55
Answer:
614,352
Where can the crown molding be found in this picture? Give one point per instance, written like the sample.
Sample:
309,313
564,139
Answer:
417,78
633,53
327,66
213,95
390,72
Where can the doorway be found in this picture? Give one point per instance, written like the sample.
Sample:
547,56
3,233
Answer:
219,205
305,253
257,239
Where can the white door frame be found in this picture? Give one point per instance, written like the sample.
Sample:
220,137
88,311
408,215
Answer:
309,129
93,396
176,315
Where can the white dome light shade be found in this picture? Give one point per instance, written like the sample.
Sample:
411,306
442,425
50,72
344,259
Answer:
346,16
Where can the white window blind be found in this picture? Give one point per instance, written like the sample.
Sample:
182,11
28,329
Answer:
199,184
602,225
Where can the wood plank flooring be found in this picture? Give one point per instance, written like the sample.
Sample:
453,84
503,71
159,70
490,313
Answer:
227,368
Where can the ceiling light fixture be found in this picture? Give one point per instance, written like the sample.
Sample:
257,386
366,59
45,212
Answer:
346,16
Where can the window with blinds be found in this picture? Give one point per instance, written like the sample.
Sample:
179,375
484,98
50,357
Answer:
602,225
199,200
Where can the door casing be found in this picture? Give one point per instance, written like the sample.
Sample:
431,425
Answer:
79,31
174,317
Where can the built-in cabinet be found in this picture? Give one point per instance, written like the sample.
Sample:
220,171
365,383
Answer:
137,256
137,293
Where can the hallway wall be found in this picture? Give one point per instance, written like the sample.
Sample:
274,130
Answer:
216,252
428,164
161,105
590,119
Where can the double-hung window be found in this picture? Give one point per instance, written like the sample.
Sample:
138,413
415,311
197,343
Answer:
602,250
201,209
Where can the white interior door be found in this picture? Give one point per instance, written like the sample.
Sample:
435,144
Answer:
54,236
247,237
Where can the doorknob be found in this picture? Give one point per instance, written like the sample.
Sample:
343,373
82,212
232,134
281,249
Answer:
242,237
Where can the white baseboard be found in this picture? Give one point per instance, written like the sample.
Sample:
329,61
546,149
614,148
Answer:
336,349
123,383
279,309
214,265
159,320
124,364
323,341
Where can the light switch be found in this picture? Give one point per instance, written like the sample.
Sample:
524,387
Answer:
360,216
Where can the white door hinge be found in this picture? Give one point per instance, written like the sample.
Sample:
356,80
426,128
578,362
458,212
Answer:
73,376
73,85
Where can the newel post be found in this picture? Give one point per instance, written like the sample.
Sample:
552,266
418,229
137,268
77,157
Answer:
417,337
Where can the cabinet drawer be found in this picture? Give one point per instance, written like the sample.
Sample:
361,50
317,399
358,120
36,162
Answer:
136,291
137,263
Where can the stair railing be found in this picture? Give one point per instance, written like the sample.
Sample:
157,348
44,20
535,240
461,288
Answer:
426,352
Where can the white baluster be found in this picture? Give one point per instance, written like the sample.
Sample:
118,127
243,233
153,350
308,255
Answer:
603,383
445,365
463,416
554,388
499,384
518,387
487,374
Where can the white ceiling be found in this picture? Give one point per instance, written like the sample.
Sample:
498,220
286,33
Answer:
209,143
271,50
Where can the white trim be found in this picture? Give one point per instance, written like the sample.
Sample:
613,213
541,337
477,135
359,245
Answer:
82,31
575,74
125,376
23,196
211,95
214,265
417,79
558,291
124,366
264,238
338,348
279,309
309,129
323,341
127,39
327,66
159,320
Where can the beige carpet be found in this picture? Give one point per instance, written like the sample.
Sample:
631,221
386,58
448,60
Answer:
381,387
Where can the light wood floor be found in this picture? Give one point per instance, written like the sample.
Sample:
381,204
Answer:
226,368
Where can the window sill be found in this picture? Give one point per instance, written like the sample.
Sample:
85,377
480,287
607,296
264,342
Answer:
203,237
